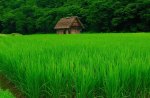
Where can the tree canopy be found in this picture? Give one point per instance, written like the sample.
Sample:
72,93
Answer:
34,16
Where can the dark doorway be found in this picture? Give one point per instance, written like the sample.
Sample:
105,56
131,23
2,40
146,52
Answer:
64,31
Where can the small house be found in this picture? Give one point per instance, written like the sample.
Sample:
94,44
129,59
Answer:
69,25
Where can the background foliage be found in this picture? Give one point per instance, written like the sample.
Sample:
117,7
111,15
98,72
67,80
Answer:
33,16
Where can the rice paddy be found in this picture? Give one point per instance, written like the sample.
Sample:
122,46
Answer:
78,66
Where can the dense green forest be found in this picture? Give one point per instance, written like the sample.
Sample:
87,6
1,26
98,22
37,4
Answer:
33,16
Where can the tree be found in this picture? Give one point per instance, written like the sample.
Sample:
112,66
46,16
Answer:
100,15
33,16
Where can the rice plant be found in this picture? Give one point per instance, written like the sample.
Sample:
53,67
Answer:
78,66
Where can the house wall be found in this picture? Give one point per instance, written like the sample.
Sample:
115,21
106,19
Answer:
63,31
60,31
75,30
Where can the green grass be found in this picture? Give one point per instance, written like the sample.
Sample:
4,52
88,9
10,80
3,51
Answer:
5,94
78,66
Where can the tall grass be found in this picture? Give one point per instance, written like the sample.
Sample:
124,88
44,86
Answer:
78,66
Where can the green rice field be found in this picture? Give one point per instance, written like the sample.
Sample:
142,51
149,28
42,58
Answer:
78,66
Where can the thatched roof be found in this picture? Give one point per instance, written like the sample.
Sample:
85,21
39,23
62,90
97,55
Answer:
65,23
